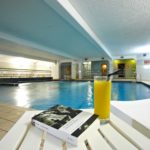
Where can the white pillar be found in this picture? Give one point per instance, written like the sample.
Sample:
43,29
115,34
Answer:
73,70
55,70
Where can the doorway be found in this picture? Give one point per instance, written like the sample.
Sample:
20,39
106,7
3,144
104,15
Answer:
104,69
121,67
65,71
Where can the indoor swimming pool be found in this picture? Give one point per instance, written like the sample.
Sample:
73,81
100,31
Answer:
42,95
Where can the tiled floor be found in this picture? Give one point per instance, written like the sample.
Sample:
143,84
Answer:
8,116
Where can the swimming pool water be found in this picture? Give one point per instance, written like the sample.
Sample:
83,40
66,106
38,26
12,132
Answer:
43,95
127,91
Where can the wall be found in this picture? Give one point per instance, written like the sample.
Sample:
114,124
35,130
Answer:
74,68
143,69
130,67
96,67
91,68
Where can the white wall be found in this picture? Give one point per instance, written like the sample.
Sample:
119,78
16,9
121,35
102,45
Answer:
31,66
143,70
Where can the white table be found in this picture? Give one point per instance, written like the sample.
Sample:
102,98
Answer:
115,135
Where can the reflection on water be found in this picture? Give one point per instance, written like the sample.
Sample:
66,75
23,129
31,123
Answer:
22,96
89,94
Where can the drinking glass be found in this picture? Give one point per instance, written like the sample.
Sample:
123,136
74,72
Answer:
102,96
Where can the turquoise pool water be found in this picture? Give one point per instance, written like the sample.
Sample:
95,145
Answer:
75,94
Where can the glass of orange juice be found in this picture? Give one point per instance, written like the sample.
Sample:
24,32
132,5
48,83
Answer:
102,96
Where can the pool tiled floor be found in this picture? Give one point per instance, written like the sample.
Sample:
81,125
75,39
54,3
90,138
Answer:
8,116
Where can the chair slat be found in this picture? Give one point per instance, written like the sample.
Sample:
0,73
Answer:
13,138
32,139
93,137
51,142
115,138
132,134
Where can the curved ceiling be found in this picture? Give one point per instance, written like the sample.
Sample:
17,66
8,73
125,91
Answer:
76,29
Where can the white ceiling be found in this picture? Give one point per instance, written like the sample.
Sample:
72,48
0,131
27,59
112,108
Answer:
77,29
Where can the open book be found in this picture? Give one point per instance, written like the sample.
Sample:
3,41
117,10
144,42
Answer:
64,122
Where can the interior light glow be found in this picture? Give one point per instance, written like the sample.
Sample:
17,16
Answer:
146,66
44,64
116,61
25,63
132,61
87,62
142,49
104,66
20,62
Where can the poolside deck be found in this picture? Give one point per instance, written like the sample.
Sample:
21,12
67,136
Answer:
8,117
147,82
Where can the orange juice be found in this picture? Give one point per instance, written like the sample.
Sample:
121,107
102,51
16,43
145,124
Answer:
102,96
